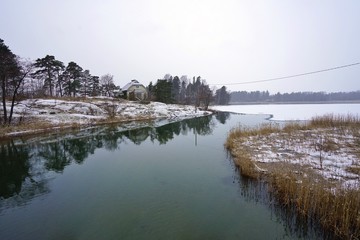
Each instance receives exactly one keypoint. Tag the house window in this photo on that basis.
(139, 95)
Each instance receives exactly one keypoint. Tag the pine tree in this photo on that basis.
(85, 82)
(222, 97)
(95, 86)
(175, 89)
(8, 69)
(151, 91)
(48, 70)
(72, 76)
(163, 91)
(12, 74)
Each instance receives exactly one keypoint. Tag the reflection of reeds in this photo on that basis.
(335, 207)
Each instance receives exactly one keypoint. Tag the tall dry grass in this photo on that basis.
(335, 208)
(334, 121)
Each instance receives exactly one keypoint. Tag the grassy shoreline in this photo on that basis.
(320, 183)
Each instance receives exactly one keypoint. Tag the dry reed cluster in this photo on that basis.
(299, 185)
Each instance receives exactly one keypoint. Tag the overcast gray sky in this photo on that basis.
(223, 41)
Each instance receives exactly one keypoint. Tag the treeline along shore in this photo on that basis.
(295, 102)
(257, 97)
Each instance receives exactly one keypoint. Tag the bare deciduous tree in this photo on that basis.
(107, 84)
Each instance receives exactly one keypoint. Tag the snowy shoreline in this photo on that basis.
(43, 115)
(298, 148)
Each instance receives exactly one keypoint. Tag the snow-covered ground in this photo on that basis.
(293, 111)
(90, 111)
(336, 162)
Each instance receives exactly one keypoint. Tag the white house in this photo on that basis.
(135, 91)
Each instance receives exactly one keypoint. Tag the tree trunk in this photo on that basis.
(3, 88)
(17, 86)
(50, 82)
(13, 102)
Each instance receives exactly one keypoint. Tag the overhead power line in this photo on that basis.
(291, 76)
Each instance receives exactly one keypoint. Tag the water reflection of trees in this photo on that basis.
(163, 134)
(21, 175)
(14, 168)
(25, 165)
(222, 117)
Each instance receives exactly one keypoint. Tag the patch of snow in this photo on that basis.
(299, 149)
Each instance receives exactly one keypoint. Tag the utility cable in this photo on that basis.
(291, 76)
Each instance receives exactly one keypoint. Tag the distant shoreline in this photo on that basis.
(296, 102)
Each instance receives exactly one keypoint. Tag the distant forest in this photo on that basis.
(265, 96)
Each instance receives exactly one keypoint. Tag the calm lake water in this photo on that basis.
(170, 182)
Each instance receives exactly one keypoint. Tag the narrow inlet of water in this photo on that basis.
(169, 182)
